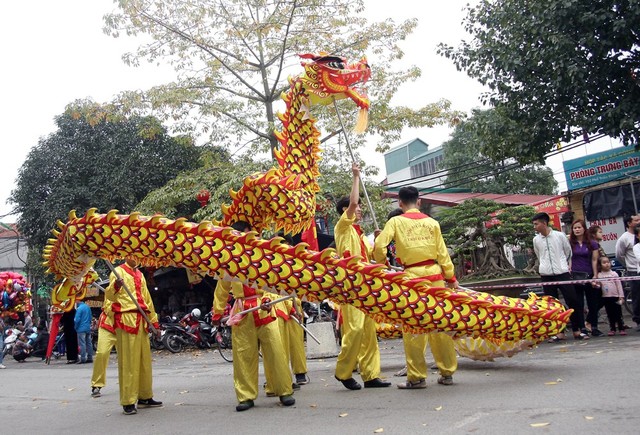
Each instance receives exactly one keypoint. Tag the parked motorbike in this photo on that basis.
(176, 336)
(157, 343)
(11, 335)
(314, 312)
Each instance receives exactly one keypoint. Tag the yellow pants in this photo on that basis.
(444, 354)
(134, 365)
(247, 339)
(441, 344)
(106, 341)
(359, 345)
(297, 352)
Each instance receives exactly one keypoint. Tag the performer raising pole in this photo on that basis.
(353, 160)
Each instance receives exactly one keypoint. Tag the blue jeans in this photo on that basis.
(86, 347)
(1, 348)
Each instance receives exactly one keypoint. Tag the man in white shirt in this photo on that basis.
(624, 254)
(554, 253)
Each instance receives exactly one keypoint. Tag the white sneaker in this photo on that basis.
(2, 366)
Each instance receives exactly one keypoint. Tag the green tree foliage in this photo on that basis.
(233, 57)
(559, 68)
(108, 165)
(476, 158)
(335, 182)
(218, 173)
(481, 229)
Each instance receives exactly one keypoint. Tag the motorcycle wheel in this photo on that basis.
(224, 344)
(172, 342)
(156, 343)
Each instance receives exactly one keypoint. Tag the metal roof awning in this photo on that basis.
(455, 198)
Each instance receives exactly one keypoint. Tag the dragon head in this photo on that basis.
(328, 78)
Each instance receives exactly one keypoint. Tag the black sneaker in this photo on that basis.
(376, 383)
(350, 384)
(596, 333)
(129, 409)
(302, 379)
(95, 392)
(295, 386)
(243, 406)
(287, 400)
(148, 403)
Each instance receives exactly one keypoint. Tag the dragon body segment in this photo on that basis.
(285, 196)
(390, 297)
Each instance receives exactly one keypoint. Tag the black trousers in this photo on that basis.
(569, 295)
(614, 313)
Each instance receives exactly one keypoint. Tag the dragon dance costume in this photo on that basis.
(132, 339)
(255, 331)
(359, 338)
(421, 249)
(106, 341)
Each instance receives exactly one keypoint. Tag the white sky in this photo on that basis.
(55, 53)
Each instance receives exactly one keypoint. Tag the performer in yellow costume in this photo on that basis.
(292, 336)
(106, 341)
(359, 340)
(297, 351)
(132, 339)
(256, 330)
(420, 248)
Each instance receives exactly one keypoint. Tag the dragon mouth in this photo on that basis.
(333, 79)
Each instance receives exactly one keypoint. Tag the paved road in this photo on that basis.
(588, 387)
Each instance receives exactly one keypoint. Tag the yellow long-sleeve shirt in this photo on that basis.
(418, 238)
(246, 297)
(348, 240)
(126, 314)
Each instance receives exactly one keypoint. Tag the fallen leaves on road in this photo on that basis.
(70, 389)
(178, 403)
(379, 430)
(438, 408)
(313, 405)
(539, 424)
(184, 391)
(588, 417)
(344, 414)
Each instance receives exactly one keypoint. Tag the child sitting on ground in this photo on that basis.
(612, 296)
(21, 349)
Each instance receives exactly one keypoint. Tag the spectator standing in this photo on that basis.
(595, 232)
(82, 324)
(624, 254)
(612, 296)
(2, 327)
(584, 265)
(28, 322)
(554, 253)
(70, 336)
